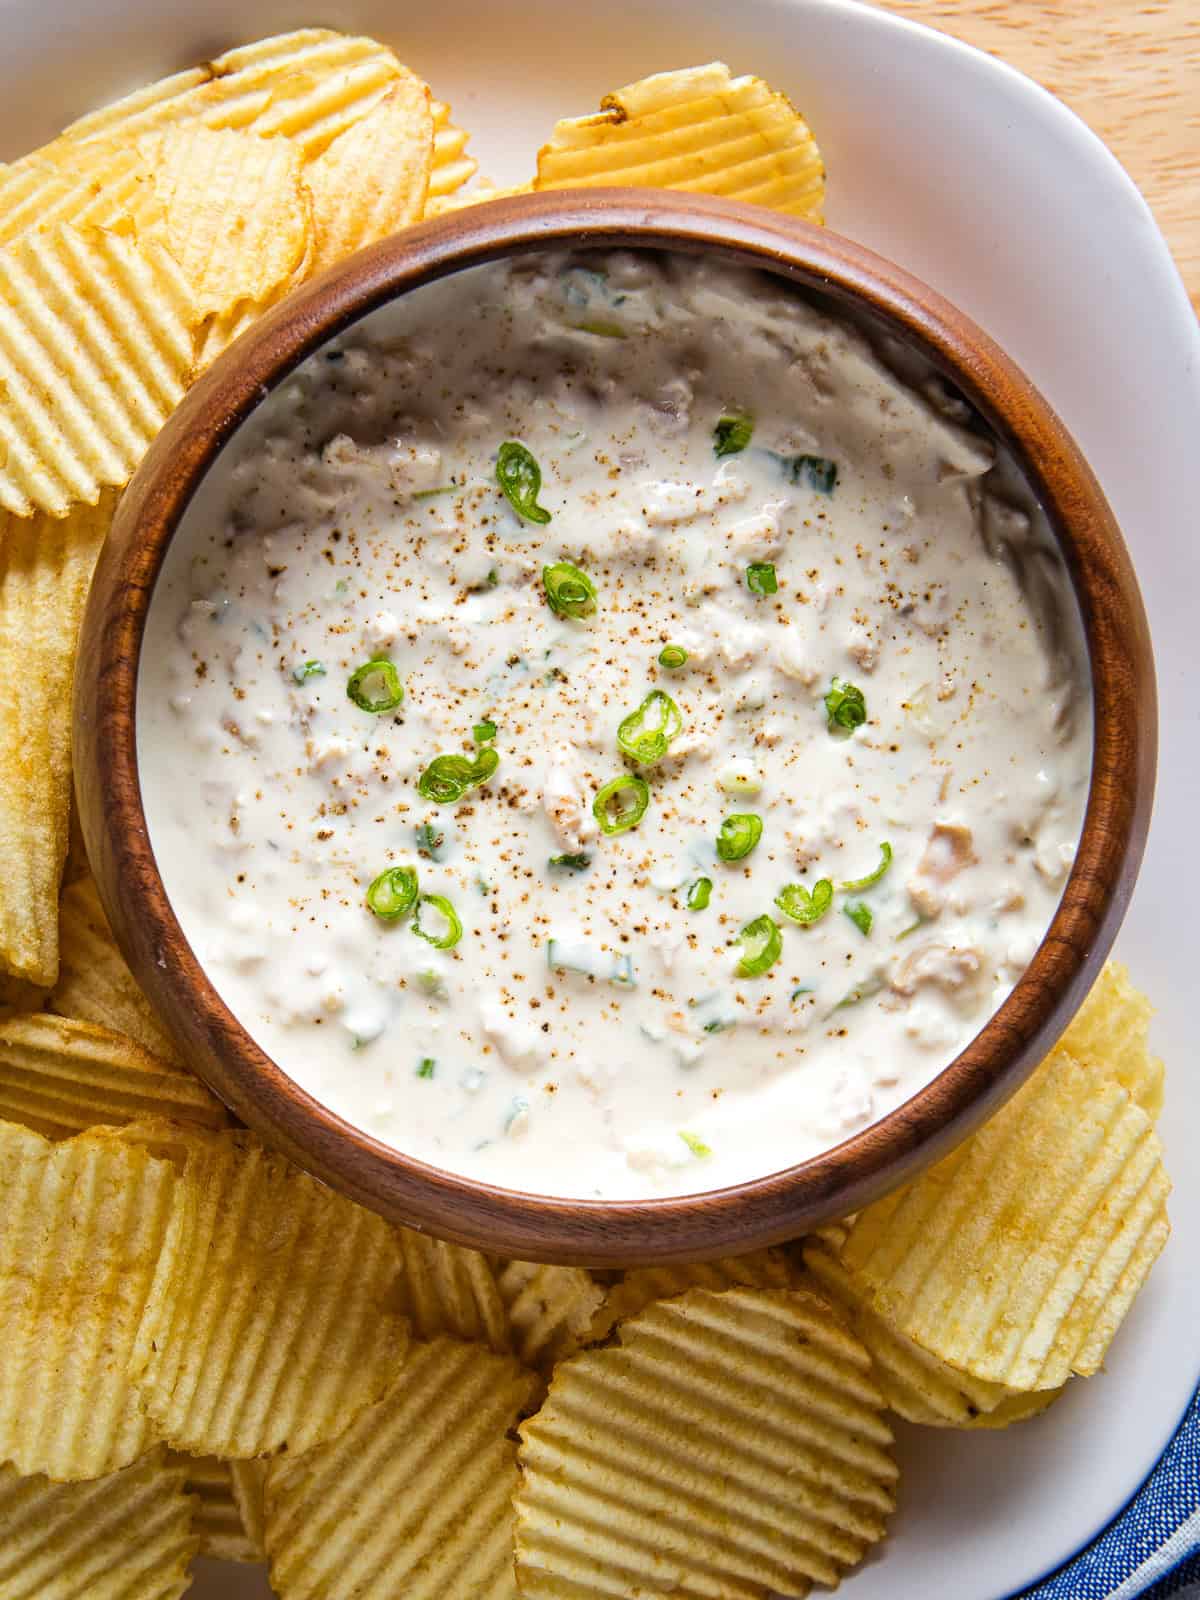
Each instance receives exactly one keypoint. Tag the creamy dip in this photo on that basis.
(881, 682)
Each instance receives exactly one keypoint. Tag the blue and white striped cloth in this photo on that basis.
(1151, 1551)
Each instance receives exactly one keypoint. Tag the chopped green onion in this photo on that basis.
(428, 494)
(696, 1145)
(572, 863)
(802, 988)
(860, 915)
(605, 330)
(308, 669)
(856, 885)
(797, 903)
(430, 840)
(761, 579)
(912, 928)
(440, 904)
(699, 893)
(519, 475)
(484, 732)
(738, 835)
(393, 893)
(427, 1067)
(732, 434)
(672, 656)
(432, 984)
(447, 778)
(571, 593)
(650, 744)
(818, 472)
(845, 706)
(621, 803)
(717, 1025)
(376, 686)
(762, 944)
(860, 992)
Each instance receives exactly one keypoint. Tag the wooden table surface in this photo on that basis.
(1129, 68)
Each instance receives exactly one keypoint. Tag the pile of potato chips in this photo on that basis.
(207, 1351)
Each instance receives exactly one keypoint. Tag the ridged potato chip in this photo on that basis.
(281, 1323)
(761, 1269)
(95, 346)
(127, 1536)
(415, 1499)
(452, 166)
(94, 984)
(697, 129)
(437, 206)
(217, 1520)
(550, 1310)
(248, 1480)
(1016, 1257)
(1110, 1033)
(60, 1077)
(45, 571)
(103, 189)
(447, 1289)
(236, 214)
(916, 1385)
(732, 1444)
(373, 178)
(83, 1238)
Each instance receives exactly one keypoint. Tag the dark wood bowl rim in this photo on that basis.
(776, 1206)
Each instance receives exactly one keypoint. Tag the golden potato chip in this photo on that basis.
(373, 177)
(248, 1480)
(94, 984)
(415, 1498)
(281, 1323)
(761, 1269)
(95, 345)
(236, 215)
(916, 1385)
(83, 1237)
(446, 1288)
(452, 166)
(698, 129)
(45, 570)
(1110, 1034)
(1016, 1257)
(127, 1536)
(439, 205)
(217, 1521)
(151, 106)
(59, 1077)
(550, 1310)
(733, 1443)
(107, 189)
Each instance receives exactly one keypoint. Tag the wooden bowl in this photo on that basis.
(675, 1228)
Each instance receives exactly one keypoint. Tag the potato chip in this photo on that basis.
(127, 1536)
(415, 1498)
(108, 189)
(45, 570)
(281, 1323)
(95, 345)
(698, 129)
(94, 984)
(1016, 1257)
(452, 166)
(17, 995)
(446, 1288)
(373, 177)
(438, 206)
(236, 215)
(1110, 1034)
(733, 1443)
(916, 1385)
(59, 1077)
(762, 1269)
(217, 1520)
(83, 1237)
(248, 1480)
(550, 1310)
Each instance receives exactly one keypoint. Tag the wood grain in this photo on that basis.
(1129, 68)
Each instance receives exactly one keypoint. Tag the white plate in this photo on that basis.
(979, 182)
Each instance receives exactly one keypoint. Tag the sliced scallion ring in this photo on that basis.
(621, 803)
(860, 915)
(304, 670)
(738, 835)
(699, 893)
(761, 579)
(762, 946)
(803, 905)
(569, 592)
(519, 475)
(484, 732)
(453, 930)
(393, 894)
(696, 1145)
(857, 885)
(375, 686)
(845, 707)
(645, 734)
(672, 656)
(447, 778)
(732, 434)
